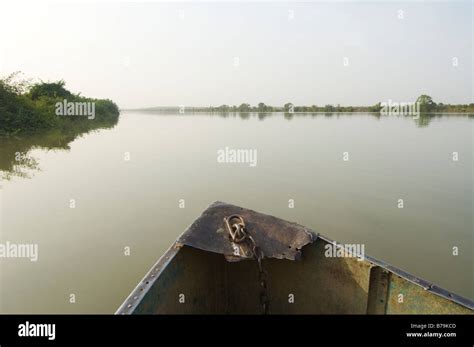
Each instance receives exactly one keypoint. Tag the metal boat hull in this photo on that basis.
(191, 279)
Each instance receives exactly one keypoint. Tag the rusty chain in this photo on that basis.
(235, 225)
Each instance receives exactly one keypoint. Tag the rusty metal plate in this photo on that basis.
(276, 237)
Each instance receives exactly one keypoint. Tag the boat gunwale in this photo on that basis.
(144, 285)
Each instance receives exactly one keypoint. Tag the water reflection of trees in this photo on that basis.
(15, 151)
(423, 120)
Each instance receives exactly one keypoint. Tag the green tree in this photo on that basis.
(375, 108)
(288, 106)
(51, 90)
(261, 107)
(426, 103)
(224, 108)
(244, 108)
(329, 108)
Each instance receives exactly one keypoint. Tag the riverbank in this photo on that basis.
(28, 108)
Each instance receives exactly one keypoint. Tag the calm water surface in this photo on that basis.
(134, 203)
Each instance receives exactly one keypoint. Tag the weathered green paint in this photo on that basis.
(193, 276)
(416, 300)
(378, 290)
(315, 285)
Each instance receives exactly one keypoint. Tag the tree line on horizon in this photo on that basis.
(426, 105)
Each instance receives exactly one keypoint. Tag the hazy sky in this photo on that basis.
(148, 54)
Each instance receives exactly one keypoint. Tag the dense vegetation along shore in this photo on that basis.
(27, 108)
(37, 116)
(426, 104)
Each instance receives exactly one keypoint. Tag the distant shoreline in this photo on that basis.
(176, 110)
(424, 104)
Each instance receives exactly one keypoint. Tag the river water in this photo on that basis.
(127, 185)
